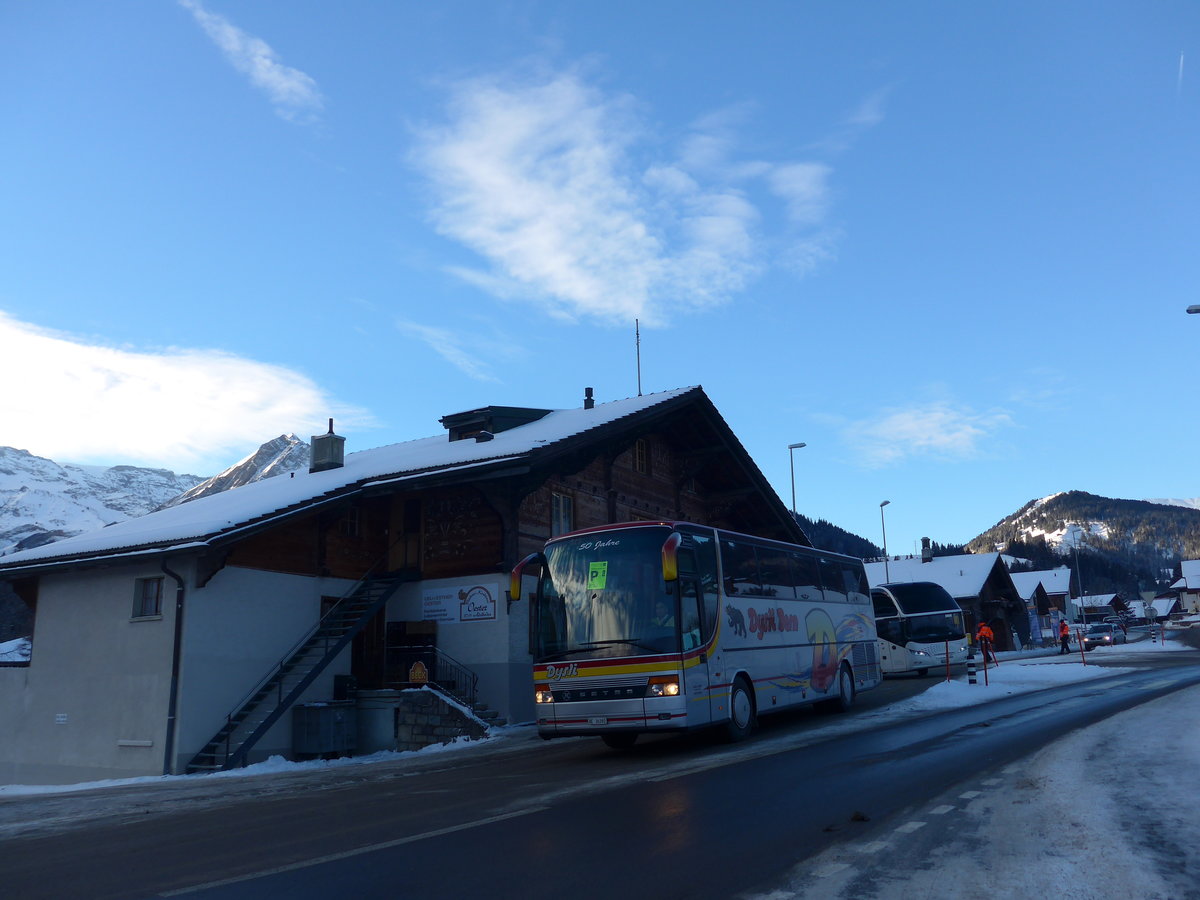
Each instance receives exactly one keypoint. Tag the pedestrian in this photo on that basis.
(1064, 637)
(985, 636)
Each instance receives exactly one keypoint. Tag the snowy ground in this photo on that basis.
(1138, 827)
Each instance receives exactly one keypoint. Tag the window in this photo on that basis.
(147, 598)
(562, 514)
(348, 526)
(641, 456)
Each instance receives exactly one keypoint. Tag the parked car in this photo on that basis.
(1103, 634)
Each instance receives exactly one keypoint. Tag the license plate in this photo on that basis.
(597, 720)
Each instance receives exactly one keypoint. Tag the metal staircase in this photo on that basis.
(287, 681)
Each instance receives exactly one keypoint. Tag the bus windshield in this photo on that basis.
(603, 595)
(934, 627)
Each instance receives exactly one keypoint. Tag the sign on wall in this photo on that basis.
(459, 604)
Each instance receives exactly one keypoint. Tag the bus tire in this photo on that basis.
(741, 711)
(845, 692)
(622, 740)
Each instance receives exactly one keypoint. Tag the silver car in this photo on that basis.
(1103, 634)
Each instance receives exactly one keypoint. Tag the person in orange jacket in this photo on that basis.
(984, 635)
(1064, 637)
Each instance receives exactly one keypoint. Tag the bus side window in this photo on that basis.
(892, 630)
(740, 567)
(805, 577)
(704, 549)
(690, 615)
(884, 607)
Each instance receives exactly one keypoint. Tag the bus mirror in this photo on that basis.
(514, 588)
(670, 557)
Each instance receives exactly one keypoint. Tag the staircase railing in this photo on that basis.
(327, 638)
(441, 671)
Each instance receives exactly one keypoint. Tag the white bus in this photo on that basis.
(920, 625)
(669, 626)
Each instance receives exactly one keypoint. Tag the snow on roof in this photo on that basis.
(191, 524)
(962, 576)
(1053, 581)
(1191, 576)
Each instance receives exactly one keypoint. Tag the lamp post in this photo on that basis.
(887, 576)
(792, 464)
(1194, 308)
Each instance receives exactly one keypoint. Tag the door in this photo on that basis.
(694, 631)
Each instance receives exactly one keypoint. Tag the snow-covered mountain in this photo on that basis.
(286, 453)
(43, 501)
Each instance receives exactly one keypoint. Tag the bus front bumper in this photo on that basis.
(600, 717)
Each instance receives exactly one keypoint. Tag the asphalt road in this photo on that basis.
(673, 818)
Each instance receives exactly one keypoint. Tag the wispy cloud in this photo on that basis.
(183, 409)
(462, 353)
(293, 93)
(940, 430)
(549, 181)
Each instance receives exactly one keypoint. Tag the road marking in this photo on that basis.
(910, 827)
(874, 847)
(1155, 685)
(347, 854)
(1012, 770)
(831, 869)
(969, 795)
(941, 810)
(992, 782)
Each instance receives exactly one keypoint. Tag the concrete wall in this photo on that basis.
(237, 628)
(93, 702)
(490, 641)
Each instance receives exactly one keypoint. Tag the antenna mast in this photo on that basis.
(637, 333)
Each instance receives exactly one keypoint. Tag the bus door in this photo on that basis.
(893, 652)
(696, 664)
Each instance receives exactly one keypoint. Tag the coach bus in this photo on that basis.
(669, 626)
(920, 626)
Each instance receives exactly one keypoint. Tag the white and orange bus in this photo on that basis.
(669, 626)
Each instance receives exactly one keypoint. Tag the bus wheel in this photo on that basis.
(621, 741)
(741, 711)
(845, 693)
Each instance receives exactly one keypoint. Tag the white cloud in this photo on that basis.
(546, 180)
(452, 347)
(183, 409)
(940, 430)
(293, 93)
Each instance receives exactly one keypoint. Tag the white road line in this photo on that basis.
(910, 827)
(874, 847)
(941, 810)
(1012, 770)
(1155, 685)
(358, 851)
(992, 782)
(969, 795)
(831, 869)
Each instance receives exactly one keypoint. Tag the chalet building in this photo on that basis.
(1046, 594)
(979, 582)
(1187, 586)
(181, 640)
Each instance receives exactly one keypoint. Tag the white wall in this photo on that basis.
(236, 629)
(496, 649)
(93, 702)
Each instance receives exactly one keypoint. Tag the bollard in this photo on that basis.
(971, 671)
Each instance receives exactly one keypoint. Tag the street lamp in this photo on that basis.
(887, 576)
(1194, 308)
(792, 463)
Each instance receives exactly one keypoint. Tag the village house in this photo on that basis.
(1046, 593)
(1187, 587)
(181, 640)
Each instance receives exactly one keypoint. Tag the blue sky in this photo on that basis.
(947, 245)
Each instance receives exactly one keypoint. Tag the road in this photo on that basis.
(673, 818)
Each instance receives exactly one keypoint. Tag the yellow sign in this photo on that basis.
(418, 674)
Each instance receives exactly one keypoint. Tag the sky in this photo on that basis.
(948, 247)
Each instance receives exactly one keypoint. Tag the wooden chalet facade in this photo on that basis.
(415, 540)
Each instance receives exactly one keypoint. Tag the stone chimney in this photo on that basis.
(926, 551)
(326, 451)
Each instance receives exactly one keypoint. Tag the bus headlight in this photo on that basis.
(663, 686)
(920, 653)
(543, 695)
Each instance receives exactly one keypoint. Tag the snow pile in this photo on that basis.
(17, 650)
